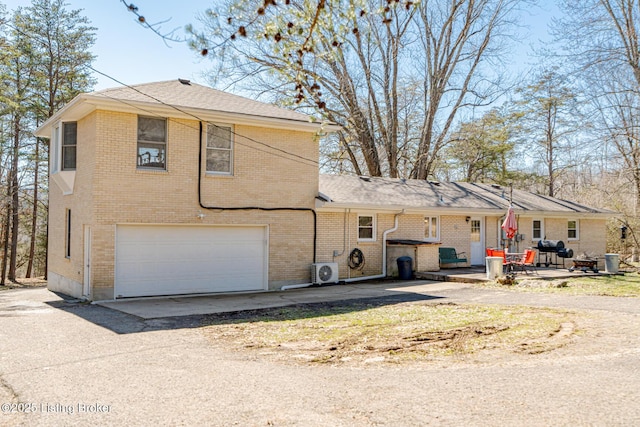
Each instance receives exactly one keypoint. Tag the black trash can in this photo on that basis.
(405, 272)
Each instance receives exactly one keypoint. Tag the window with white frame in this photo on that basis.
(152, 142)
(366, 228)
(219, 149)
(432, 228)
(69, 144)
(537, 231)
(573, 231)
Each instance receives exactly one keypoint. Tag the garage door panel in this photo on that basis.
(170, 260)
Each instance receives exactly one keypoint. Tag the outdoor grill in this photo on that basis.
(551, 249)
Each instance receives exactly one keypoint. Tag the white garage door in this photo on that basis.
(174, 259)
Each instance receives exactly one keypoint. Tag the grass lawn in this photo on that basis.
(623, 285)
(399, 333)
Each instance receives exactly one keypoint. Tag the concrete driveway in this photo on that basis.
(151, 308)
(64, 363)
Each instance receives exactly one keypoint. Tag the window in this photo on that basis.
(431, 228)
(573, 233)
(152, 142)
(67, 243)
(55, 142)
(366, 228)
(476, 231)
(537, 231)
(219, 149)
(69, 140)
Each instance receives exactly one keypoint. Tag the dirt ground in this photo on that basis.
(576, 333)
(34, 282)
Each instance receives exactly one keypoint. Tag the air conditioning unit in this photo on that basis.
(324, 272)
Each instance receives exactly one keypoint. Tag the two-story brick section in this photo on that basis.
(175, 188)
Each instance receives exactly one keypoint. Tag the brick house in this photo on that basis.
(175, 188)
(386, 218)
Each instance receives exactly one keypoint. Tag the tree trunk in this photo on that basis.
(34, 212)
(15, 202)
(5, 238)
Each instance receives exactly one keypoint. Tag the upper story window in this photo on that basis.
(537, 231)
(219, 149)
(431, 228)
(69, 144)
(64, 141)
(366, 228)
(152, 142)
(573, 232)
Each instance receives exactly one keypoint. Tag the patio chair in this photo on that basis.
(507, 266)
(527, 261)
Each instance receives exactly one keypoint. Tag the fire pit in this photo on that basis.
(585, 264)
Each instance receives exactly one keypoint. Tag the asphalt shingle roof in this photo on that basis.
(192, 95)
(387, 192)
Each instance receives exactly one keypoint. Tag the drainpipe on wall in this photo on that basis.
(296, 286)
(384, 253)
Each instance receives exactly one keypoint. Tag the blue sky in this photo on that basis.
(133, 54)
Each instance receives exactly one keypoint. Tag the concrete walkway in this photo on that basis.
(391, 291)
(151, 308)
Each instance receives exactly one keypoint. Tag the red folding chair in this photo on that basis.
(527, 261)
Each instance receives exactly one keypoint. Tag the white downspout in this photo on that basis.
(384, 253)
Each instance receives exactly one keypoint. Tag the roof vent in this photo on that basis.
(185, 82)
(496, 186)
(434, 183)
(365, 178)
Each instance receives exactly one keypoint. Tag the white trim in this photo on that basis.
(373, 226)
(232, 150)
(480, 245)
(533, 237)
(165, 143)
(577, 221)
(428, 238)
(86, 103)
(63, 145)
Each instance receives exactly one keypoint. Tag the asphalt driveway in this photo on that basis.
(67, 363)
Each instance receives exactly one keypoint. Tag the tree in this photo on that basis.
(64, 39)
(600, 39)
(18, 72)
(43, 66)
(395, 76)
(547, 109)
(481, 150)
